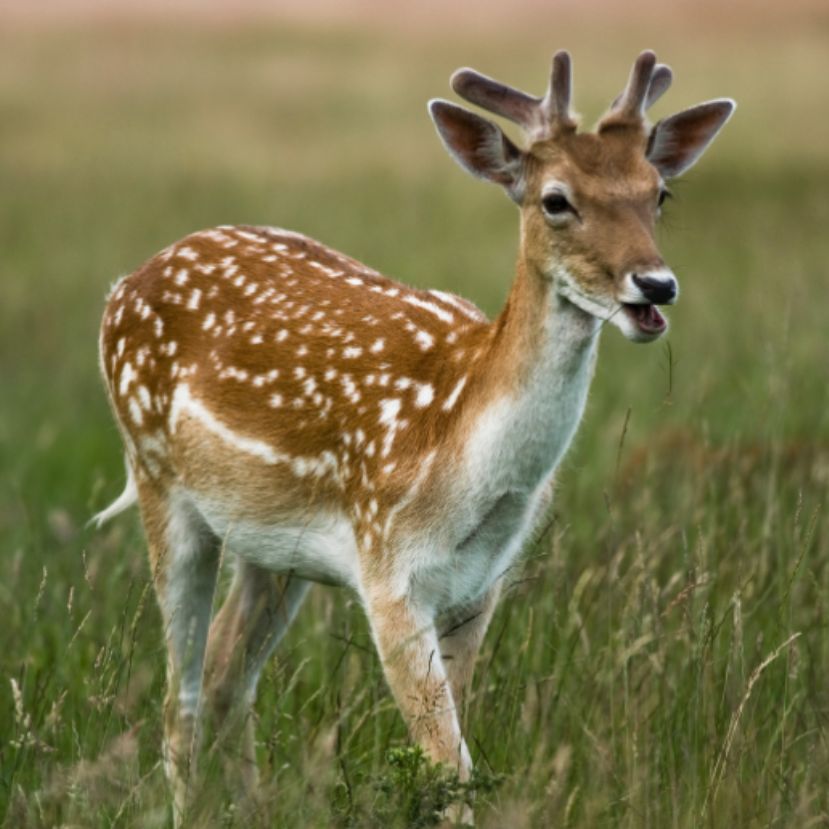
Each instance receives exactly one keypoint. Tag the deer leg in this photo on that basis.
(462, 632)
(253, 619)
(409, 650)
(184, 556)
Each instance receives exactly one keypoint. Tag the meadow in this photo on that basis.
(660, 657)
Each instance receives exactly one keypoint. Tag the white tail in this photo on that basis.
(323, 423)
(123, 502)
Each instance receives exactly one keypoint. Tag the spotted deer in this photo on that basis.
(288, 408)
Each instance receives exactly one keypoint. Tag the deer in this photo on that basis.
(293, 411)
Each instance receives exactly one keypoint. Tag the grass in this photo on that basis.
(660, 658)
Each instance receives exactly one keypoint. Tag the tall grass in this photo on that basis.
(659, 658)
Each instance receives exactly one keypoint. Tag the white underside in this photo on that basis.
(429, 567)
(319, 546)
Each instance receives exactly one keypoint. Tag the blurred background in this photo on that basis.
(648, 676)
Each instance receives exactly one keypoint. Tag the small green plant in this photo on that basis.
(416, 792)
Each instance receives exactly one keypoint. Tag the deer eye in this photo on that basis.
(663, 194)
(555, 204)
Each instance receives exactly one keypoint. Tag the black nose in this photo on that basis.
(657, 291)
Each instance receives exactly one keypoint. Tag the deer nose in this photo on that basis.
(659, 290)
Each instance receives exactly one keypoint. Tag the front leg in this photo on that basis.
(409, 651)
(461, 634)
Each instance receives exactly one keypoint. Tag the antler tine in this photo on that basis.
(660, 82)
(632, 101)
(556, 103)
(496, 97)
(538, 116)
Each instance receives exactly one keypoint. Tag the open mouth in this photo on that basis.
(646, 318)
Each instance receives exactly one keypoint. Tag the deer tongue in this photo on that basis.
(648, 317)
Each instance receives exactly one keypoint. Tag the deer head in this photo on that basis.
(589, 201)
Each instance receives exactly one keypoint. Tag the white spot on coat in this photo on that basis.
(462, 305)
(450, 401)
(425, 395)
(187, 253)
(389, 409)
(439, 312)
(127, 376)
(424, 339)
(135, 412)
(144, 398)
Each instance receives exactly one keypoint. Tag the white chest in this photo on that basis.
(511, 455)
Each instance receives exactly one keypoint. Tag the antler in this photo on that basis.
(647, 83)
(540, 117)
(660, 82)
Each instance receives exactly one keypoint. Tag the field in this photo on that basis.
(661, 656)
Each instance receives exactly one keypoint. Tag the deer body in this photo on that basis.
(321, 423)
(368, 462)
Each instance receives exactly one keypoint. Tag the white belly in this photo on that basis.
(319, 547)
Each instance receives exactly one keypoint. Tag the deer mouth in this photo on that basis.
(646, 317)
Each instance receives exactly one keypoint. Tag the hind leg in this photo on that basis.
(461, 635)
(184, 556)
(255, 616)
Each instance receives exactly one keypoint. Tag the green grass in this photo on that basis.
(625, 680)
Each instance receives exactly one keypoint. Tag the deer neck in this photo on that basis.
(539, 367)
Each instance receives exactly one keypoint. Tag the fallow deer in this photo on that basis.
(319, 422)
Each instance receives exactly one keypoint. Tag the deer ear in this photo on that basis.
(677, 142)
(479, 146)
